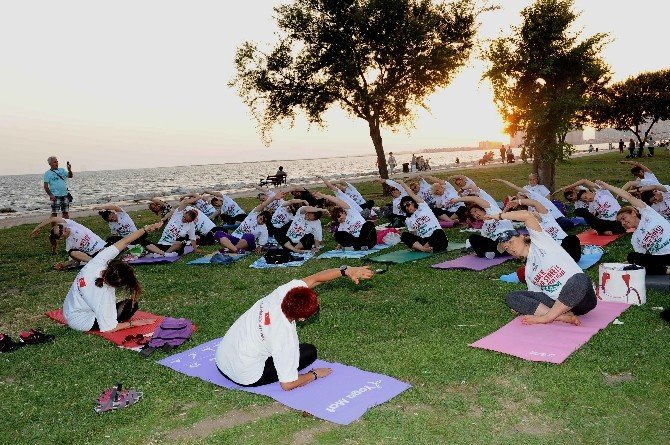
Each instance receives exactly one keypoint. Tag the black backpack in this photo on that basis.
(277, 256)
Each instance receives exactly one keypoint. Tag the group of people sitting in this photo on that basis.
(262, 346)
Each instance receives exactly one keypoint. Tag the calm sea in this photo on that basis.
(25, 193)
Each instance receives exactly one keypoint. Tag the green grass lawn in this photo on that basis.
(413, 323)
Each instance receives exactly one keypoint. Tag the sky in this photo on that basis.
(131, 84)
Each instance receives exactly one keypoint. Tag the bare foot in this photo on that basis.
(59, 266)
(532, 319)
(569, 318)
(428, 248)
(607, 232)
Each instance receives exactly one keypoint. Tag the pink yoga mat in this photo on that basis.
(591, 238)
(472, 262)
(553, 342)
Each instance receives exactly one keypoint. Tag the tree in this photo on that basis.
(543, 80)
(376, 59)
(635, 104)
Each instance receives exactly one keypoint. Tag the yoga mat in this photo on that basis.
(591, 238)
(342, 397)
(446, 224)
(658, 282)
(262, 264)
(160, 260)
(455, 246)
(553, 342)
(117, 337)
(401, 256)
(205, 259)
(339, 253)
(472, 262)
(585, 262)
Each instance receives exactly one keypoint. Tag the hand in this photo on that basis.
(69, 166)
(322, 372)
(316, 195)
(143, 321)
(59, 266)
(359, 273)
(52, 198)
(151, 227)
(495, 217)
(34, 233)
(600, 183)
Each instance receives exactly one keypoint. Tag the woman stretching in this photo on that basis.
(305, 231)
(91, 304)
(122, 225)
(601, 208)
(425, 233)
(352, 229)
(558, 289)
(81, 243)
(252, 232)
(651, 239)
(484, 243)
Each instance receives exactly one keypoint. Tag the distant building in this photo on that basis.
(490, 145)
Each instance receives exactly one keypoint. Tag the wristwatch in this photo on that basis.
(343, 270)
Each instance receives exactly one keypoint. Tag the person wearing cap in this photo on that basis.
(558, 289)
(262, 346)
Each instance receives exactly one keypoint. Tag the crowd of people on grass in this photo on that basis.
(262, 346)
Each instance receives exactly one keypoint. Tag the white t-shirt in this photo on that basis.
(426, 192)
(550, 206)
(202, 222)
(396, 201)
(354, 194)
(652, 234)
(604, 205)
(230, 207)
(274, 204)
(423, 221)
(82, 238)
(301, 227)
(85, 302)
(205, 207)
(250, 225)
(176, 228)
(492, 228)
(124, 226)
(350, 202)
(548, 266)
(353, 223)
(467, 191)
(649, 179)
(281, 216)
(539, 189)
(442, 201)
(663, 207)
(550, 226)
(261, 332)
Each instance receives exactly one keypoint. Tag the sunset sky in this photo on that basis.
(130, 84)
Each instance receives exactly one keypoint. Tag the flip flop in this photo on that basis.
(35, 337)
(7, 344)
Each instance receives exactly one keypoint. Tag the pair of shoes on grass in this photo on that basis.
(116, 398)
(31, 337)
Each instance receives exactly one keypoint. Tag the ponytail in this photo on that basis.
(120, 274)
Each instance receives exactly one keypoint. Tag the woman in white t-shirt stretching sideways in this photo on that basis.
(262, 346)
(91, 303)
(651, 239)
(558, 289)
(425, 233)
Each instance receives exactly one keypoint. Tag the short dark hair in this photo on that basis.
(336, 212)
(192, 213)
(300, 302)
(472, 206)
(636, 170)
(105, 214)
(647, 196)
(405, 199)
(580, 193)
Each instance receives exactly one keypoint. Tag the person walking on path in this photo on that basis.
(55, 186)
(391, 162)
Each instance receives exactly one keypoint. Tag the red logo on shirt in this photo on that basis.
(267, 319)
(82, 282)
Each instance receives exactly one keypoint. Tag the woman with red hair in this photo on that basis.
(262, 346)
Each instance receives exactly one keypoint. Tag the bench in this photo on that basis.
(274, 180)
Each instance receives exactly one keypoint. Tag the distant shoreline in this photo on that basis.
(7, 220)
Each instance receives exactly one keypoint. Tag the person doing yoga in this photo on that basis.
(558, 289)
(262, 346)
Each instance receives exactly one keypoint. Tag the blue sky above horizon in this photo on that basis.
(143, 84)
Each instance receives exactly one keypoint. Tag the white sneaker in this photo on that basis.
(171, 254)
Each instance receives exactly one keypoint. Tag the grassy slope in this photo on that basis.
(413, 323)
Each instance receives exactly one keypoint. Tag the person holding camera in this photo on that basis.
(55, 185)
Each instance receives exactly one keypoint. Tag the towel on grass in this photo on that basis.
(472, 262)
(339, 253)
(591, 237)
(401, 256)
(342, 397)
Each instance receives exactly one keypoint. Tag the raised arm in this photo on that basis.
(637, 164)
(623, 194)
(219, 194)
(533, 203)
(260, 207)
(187, 202)
(526, 217)
(355, 274)
(432, 178)
(53, 219)
(109, 207)
(582, 182)
(335, 200)
(329, 184)
(409, 192)
(124, 242)
(481, 202)
(311, 209)
(511, 185)
(659, 187)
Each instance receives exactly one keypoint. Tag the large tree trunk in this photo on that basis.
(546, 172)
(376, 136)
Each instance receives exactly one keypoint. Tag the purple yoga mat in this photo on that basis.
(472, 262)
(160, 260)
(553, 342)
(342, 397)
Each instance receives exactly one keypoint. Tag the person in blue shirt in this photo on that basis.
(55, 185)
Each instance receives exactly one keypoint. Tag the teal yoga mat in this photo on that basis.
(401, 256)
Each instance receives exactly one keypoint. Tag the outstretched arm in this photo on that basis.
(53, 219)
(260, 207)
(124, 242)
(329, 184)
(109, 207)
(215, 193)
(335, 200)
(637, 164)
(187, 202)
(511, 185)
(583, 182)
(433, 178)
(623, 194)
(659, 187)
(473, 199)
(409, 192)
(533, 203)
(526, 217)
(355, 274)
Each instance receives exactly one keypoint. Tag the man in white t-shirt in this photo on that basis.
(642, 173)
(535, 187)
(352, 229)
(179, 229)
(262, 346)
(229, 211)
(122, 225)
(425, 233)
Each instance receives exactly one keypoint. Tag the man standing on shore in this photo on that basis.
(55, 185)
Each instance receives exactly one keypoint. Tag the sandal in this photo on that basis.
(35, 337)
(7, 344)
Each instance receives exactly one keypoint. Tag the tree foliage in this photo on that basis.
(544, 78)
(635, 104)
(376, 59)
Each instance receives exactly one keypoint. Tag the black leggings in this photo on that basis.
(142, 240)
(600, 225)
(482, 245)
(654, 264)
(437, 240)
(227, 219)
(125, 309)
(368, 237)
(307, 357)
(577, 293)
(369, 204)
(306, 241)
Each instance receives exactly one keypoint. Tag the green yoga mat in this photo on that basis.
(401, 256)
